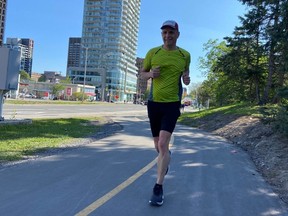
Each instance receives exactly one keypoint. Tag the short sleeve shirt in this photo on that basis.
(167, 87)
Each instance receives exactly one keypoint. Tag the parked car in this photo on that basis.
(30, 96)
(6, 95)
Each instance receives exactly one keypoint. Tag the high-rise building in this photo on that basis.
(141, 83)
(28, 56)
(74, 48)
(108, 48)
(3, 4)
(26, 47)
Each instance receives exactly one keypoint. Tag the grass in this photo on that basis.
(20, 141)
(236, 109)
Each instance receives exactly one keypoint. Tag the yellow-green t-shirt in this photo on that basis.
(167, 87)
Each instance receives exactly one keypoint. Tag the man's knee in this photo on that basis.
(163, 146)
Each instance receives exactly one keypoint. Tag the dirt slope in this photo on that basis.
(268, 150)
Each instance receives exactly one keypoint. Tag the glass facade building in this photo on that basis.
(26, 47)
(3, 5)
(74, 49)
(109, 45)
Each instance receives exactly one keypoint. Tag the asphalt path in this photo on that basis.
(114, 176)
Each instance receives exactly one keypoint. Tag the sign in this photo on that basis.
(69, 91)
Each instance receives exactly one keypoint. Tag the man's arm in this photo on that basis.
(144, 74)
(186, 77)
(153, 73)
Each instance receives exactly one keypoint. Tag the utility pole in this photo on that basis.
(85, 70)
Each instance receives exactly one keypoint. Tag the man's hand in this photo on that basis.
(186, 78)
(155, 72)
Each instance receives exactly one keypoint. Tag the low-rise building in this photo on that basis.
(43, 90)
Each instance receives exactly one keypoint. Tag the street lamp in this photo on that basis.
(125, 76)
(85, 70)
(104, 73)
(103, 84)
(73, 79)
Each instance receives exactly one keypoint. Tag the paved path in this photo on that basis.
(115, 176)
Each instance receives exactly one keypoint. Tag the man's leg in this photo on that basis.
(162, 147)
(166, 125)
(156, 140)
(163, 156)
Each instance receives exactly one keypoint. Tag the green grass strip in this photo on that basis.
(18, 141)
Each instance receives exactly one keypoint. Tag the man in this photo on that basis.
(165, 65)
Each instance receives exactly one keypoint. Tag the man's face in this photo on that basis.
(169, 36)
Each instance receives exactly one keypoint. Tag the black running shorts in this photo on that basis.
(163, 116)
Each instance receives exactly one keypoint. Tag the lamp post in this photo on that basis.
(85, 70)
(125, 77)
(73, 79)
(105, 56)
(103, 84)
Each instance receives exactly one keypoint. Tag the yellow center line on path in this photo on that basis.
(93, 206)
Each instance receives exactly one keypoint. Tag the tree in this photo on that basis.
(215, 87)
(271, 19)
(252, 65)
(56, 89)
(79, 96)
(42, 78)
(24, 76)
(66, 81)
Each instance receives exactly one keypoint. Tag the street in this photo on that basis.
(21, 111)
(114, 176)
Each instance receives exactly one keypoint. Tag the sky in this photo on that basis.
(50, 23)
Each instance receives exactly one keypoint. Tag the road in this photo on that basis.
(20, 111)
(115, 175)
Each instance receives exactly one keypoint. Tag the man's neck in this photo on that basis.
(174, 47)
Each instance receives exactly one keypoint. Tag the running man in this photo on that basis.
(165, 65)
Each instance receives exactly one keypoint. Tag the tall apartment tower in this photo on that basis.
(109, 44)
(3, 4)
(28, 55)
(26, 47)
(142, 84)
(74, 48)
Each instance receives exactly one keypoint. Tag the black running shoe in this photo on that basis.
(157, 196)
(168, 164)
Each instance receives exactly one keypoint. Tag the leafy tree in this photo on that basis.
(271, 19)
(57, 88)
(66, 81)
(42, 78)
(24, 76)
(78, 96)
(214, 87)
(281, 57)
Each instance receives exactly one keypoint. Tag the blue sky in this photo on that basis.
(50, 23)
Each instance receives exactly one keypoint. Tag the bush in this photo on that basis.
(77, 96)
(269, 113)
(281, 120)
(277, 116)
